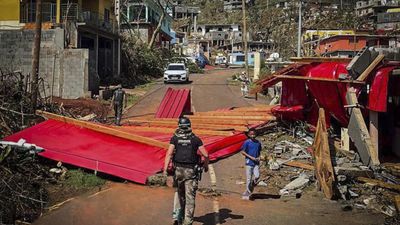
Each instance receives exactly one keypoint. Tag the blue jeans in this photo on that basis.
(252, 175)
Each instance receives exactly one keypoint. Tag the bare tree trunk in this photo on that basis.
(158, 28)
(36, 54)
(156, 31)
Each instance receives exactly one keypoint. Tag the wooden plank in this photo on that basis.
(320, 59)
(233, 113)
(172, 130)
(105, 130)
(370, 68)
(323, 162)
(195, 124)
(379, 183)
(227, 117)
(397, 202)
(202, 126)
(300, 165)
(254, 108)
(319, 79)
(359, 134)
(205, 121)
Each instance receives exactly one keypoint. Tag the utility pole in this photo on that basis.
(36, 54)
(117, 15)
(299, 32)
(244, 38)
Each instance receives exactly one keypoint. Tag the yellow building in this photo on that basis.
(321, 34)
(88, 24)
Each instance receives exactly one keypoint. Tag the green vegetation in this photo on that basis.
(79, 179)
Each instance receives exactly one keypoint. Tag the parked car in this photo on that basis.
(176, 72)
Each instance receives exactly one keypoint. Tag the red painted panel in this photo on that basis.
(377, 99)
(330, 96)
(112, 155)
(174, 104)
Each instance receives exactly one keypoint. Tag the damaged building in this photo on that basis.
(79, 49)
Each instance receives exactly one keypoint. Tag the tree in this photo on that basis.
(163, 6)
(36, 54)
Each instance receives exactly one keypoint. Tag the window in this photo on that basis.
(240, 58)
(176, 67)
(106, 15)
(136, 13)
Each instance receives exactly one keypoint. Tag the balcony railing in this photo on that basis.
(69, 12)
(74, 12)
(28, 12)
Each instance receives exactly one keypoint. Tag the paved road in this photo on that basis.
(136, 204)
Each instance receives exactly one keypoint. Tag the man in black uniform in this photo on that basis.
(118, 101)
(184, 147)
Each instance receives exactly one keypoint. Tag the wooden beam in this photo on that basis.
(172, 130)
(379, 183)
(227, 117)
(199, 125)
(228, 122)
(105, 130)
(254, 108)
(371, 67)
(300, 165)
(320, 59)
(319, 79)
(233, 113)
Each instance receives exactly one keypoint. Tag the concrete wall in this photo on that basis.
(64, 71)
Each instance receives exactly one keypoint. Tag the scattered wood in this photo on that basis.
(323, 162)
(174, 121)
(106, 130)
(228, 117)
(300, 165)
(234, 113)
(172, 130)
(379, 183)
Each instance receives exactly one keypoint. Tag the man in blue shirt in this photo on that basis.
(251, 149)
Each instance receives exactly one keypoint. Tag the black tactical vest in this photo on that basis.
(185, 152)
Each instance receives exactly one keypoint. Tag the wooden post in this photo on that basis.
(36, 54)
(244, 37)
(374, 129)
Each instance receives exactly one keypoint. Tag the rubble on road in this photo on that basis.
(288, 169)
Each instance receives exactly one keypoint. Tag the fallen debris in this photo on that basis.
(323, 163)
(296, 184)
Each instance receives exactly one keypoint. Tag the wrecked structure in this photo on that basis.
(354, 93)
(357, 99)
(79, 48)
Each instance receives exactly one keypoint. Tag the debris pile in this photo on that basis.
(291, 167)
(288, 162)
(22, 184)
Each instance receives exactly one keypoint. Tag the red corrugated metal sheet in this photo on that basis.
(377, 99)
(174, 104)
(112, 155)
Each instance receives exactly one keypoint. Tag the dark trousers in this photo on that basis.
(118, 114)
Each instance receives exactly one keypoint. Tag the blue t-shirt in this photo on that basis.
(252, 148)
